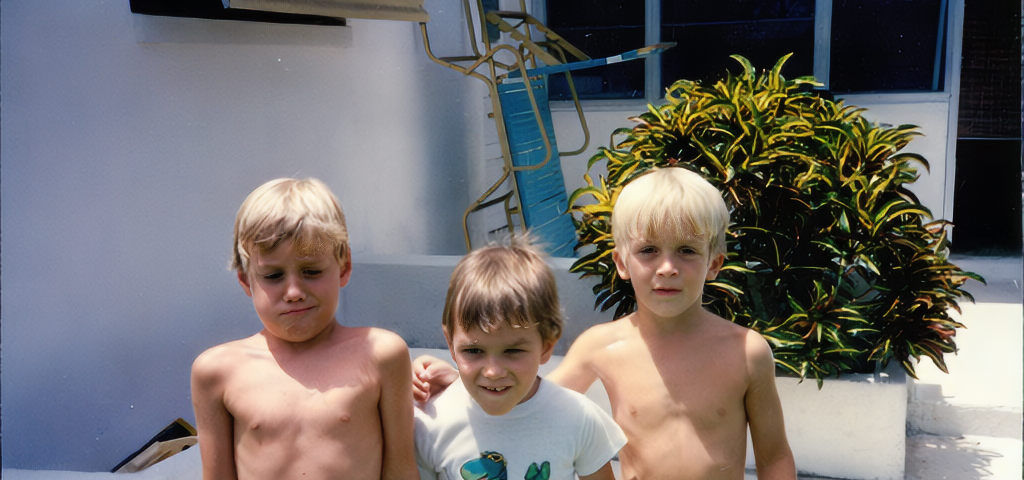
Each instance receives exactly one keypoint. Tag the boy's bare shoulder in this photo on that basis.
(750, 342)
(757, 349)
(727, 327)
(227, 357)
(604, 334)
(381, 343)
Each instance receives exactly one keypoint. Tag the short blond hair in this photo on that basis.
(670, 201)
(504, 285)
(303, 211)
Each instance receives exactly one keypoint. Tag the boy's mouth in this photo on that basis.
(298, 311)
(496, 389)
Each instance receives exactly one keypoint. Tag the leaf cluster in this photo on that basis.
(830, 256)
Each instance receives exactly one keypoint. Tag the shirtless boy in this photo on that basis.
(684, 384)
(305, 397)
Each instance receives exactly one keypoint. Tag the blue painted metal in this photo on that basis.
(542, 196)
(624, 57)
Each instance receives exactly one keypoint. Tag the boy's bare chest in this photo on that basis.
(659, 389)
(268, 401)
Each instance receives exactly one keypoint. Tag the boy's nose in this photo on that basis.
(293, 290)
(667, 268)
(493, 369)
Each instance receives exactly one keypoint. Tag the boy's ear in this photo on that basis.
(620, 264)
(346, 269)
(448, 340)
(715, 266)
(243, 280)
(549, 349)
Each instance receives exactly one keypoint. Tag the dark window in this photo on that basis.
(708, 32)
(878, 46)
(600, 29)
(987, 208)
(886, 46)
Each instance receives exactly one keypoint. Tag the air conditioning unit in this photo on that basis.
(406, 10)
(315, 12)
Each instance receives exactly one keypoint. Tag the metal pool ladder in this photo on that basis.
(515, 67)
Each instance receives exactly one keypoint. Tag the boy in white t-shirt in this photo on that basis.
(501, 420)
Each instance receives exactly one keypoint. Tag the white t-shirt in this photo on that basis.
(552, 436)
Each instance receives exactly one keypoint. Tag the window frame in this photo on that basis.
(822, 58)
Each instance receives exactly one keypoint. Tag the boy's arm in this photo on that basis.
(772, 455)
(214, 424)
(605, 473)
(395, 406)
(575, 371)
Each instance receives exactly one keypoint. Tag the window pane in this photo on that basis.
(719, 11)
(707, 32)
(887, 45)
(600, 28)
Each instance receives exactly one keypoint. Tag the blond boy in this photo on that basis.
(684, 384)
(500, 420)
(305, 397)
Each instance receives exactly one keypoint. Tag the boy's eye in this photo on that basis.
(312, 273)
(272, 276)
(472, 351)
(646, 250)
(514, 351)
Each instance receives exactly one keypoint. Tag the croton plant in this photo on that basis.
(830, 256)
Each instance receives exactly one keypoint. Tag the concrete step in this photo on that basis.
(949, 419)
(982, 394)
(968, 457)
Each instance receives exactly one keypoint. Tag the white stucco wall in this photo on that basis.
(128, 143)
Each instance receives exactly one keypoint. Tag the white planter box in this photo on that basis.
(853, 428)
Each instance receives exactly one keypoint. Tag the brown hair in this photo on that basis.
(501, 285)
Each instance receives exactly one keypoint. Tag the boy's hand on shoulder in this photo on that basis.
(431, 376)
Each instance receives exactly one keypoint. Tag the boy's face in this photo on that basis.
(295, 294)
(499, 368)
(668, 274)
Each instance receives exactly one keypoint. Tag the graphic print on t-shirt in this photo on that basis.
(492, 466)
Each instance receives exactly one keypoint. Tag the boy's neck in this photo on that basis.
(686, 322)
(325, 337)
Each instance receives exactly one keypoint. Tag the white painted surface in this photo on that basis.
(854, 427)
(128, 143)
